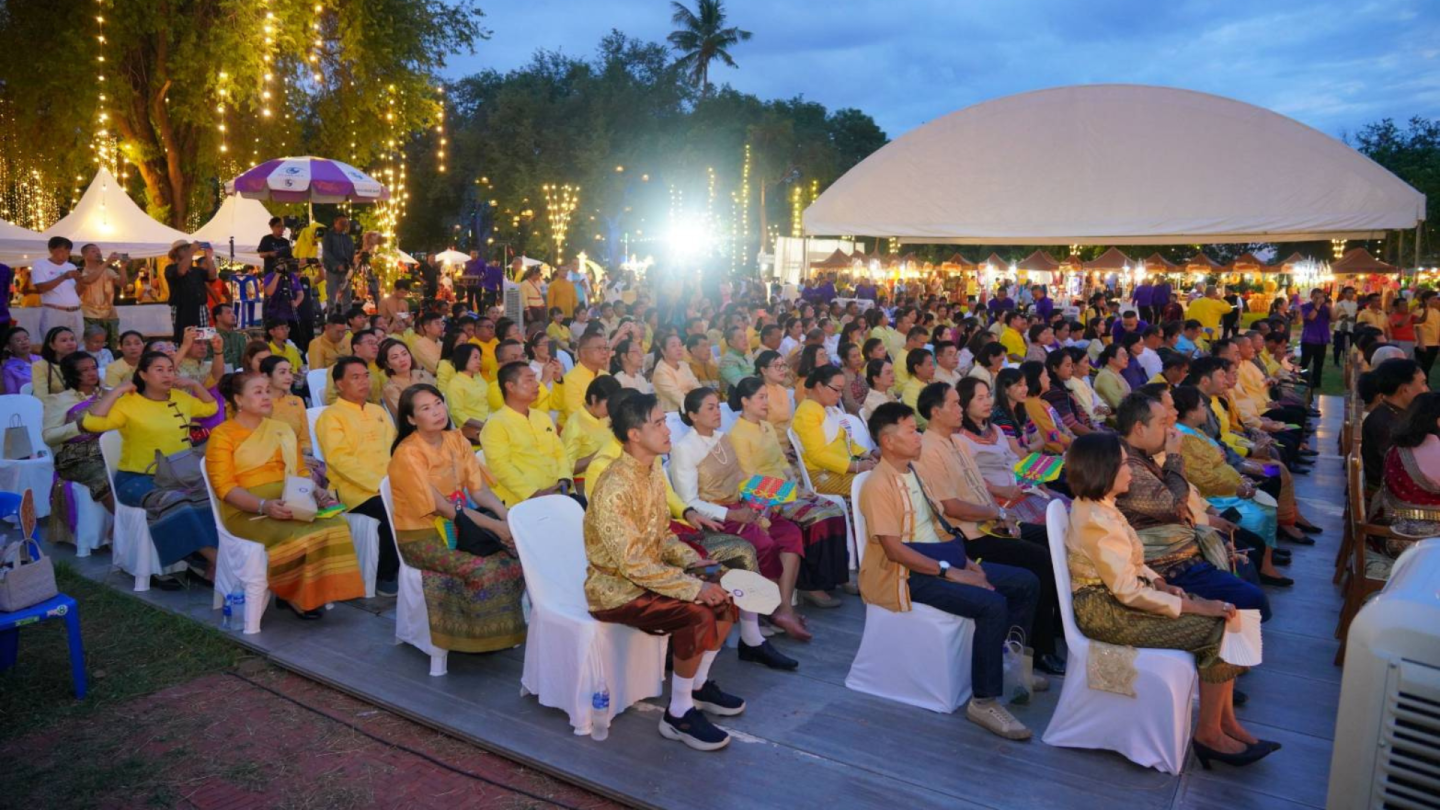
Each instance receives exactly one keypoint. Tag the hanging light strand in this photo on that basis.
(103, 144)
(317, 45)
(440, 131)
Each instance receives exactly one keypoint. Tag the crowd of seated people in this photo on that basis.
(1179, 457)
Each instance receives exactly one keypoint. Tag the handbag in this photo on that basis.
(17, 440)
(178, 471)
(1019, 668)
(26, 574)
(299, 498)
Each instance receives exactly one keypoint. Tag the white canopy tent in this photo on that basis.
(108, 217)
(244, 219)
(452, 256)
(1115, 164)
(19, 246)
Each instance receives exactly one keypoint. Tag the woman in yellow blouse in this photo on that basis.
(401, 372)
(153, 416)
(825, 565)
(468, 395)
(672, 377)
(557, 330)
(1119, 600)
(45, 375)
(426, 341)
(248, 458)
(832, 457)
(773, 371)
(122, 368)
(451, 526)
(287, 407)
(588, 429)
(277, 333)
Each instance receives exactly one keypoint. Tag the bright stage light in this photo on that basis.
(689, 237)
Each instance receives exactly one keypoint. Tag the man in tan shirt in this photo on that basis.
(912, 553)
(97, 292)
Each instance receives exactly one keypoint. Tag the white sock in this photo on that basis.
(702, 675)
(750, 629)
(680, 699)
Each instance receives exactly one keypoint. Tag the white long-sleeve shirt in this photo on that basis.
(685, 458)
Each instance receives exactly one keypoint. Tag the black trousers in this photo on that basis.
(388, 567)
(1426, 358)
(1032, 553)
(1312, 356)
(1341, 340)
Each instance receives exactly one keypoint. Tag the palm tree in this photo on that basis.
(701, 37)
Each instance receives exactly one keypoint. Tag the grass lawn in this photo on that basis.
(131, 649)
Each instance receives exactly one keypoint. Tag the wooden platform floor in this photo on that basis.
(807, 741)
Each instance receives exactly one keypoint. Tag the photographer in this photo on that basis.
(338, 253)
(283, 294)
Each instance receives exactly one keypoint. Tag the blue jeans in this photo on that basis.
(1204, 579)
(1011, 604)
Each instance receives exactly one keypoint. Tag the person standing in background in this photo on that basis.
(338, 255)
(189, 284)
(1344, 311)
(1314, 335)
(97, 285)
(7, 278)
(472, 276)
(55, 278)
(1427, 332)
(430, 277)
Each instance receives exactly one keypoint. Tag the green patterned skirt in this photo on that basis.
(473, 602)
(1100, 616)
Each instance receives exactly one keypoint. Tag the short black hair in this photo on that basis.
(743, 390)
(336, 318)
(1135, 409)
(1187, 398)
(693, 402)
(1037, 330)
(1155, 391)
(1391, 374)
(915, 359)
(219, 308)
(337, 371)
(887, 416)
(600, 389)
(873, 370)
(629, 412)
(276, 221)
(1108, 353)
(822, 375)
(1204, 367)
(1174, 360)
(1091, 464)
(508, 373)
(931, 397)
(59, 241)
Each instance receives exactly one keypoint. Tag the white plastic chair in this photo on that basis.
(311, 415)
(860, 432)
(133, 550)
(93, 522)
(566, 361)
(318, 381)
(1151, 729)
(38, 473)
(677, 426)
(365, 534)
(27, 390)
(921, 657)
(240, 565)
(412, 617)
(852, 532)
(568, 653)
(728, 417)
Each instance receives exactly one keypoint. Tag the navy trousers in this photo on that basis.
(1204, 579)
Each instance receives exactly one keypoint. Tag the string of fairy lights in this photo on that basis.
(560, 203)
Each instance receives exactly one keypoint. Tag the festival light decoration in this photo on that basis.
(560, 204)
(440, 129)
(796, 230)
(316, 46)
(1337, 246)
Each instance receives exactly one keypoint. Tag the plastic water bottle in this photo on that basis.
(227, 611)
(236, 604)
(600, 714)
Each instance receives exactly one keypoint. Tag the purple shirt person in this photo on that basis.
(1160, 296)
(493, 279)
(865, 291)
(1315, 330)
(999, 305)
(1044, 305)
(281, 305)
(1143, 295)
(474, 271)
(1129, 322)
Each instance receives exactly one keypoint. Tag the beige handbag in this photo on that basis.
(26, 574)
(299, 498)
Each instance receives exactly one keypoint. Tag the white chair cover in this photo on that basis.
(860, 431)
(312, 414)
(727, 417)
(133, 550)
(365, 533)
(412, 618)
(566, 361)
(93, 521)
(318, 381)
(566, 649)
(921, 657)
(1151, 729)
(240, 565)
(677, 426)
(851, 533)
(35, 474)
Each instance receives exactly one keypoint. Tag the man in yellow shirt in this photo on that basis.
(486, 340)
(511, 351)
(325, 348)
(592, 357)
(366, 346)
(702, 360)
(561, 293)
(1012, 338)
(1374, 315)
(355, 437)
(1209, 310)
(356, 320)
(522, 446)
(920, 368)
(588, 429)
(915, 339)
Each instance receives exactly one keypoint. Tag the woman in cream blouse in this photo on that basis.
(1119, 600)
(672, 377)
(773, 371)
(628, 366)
(826, 564)
(880, 377)
(401, 372)
(706, 473)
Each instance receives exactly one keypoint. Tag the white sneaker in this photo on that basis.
(996, 719)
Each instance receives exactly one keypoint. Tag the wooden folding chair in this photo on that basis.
(1357, 587)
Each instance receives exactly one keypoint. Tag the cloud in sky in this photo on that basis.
(1330, 64)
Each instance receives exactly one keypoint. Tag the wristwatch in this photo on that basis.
(944, 569)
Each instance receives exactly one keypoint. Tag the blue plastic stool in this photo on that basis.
(57, 607)
(249, 300)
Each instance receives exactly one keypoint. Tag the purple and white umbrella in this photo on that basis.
(307, 179)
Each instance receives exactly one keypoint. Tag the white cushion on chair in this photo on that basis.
(412, 617)
(240, 565)
(318, 381)
(311, 415)
(1151, 729)
(133, 550)
(568, 653)
(921, 657)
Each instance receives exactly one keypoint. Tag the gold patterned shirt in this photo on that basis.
(1102, 549)
(628, 540)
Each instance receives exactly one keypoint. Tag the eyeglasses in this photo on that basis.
(839, 390)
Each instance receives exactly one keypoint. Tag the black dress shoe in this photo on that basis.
(1309, 529)
(1280, 554)
(1309, 453)
(1281, 582)
(165, 583)
(765, 653)
(1050, 664)
(306, 615)
(1251, 755)
(1302, 540)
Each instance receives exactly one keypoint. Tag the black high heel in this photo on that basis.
(1251, 755)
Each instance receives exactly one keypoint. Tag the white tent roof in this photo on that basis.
(19, 246)
(245, 219)
(108, 217)
(452, 256)
(1115, 164)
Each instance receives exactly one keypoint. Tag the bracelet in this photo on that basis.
(262, 505)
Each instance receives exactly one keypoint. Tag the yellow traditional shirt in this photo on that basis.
(427, 353)
(1014, 344)
(290, 410)
(544, 399)
(672, 384)
(583, 436)
(118, 372)
(758, 449)
(1102, 549)
(289, 352)
(628, 542)
(355, 441)
(417, 466)
(148, 425)
(323, 354)
(524, 452)
(910, 395)
(612, 450)
(488, 364)
(468, 398)
(832, 456)
(378, 379)
(575, 382)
